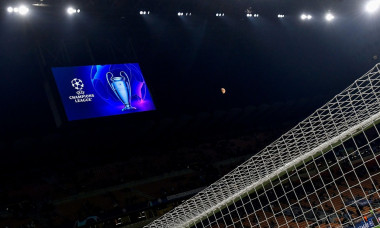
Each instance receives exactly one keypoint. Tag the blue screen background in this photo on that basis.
(94, 81)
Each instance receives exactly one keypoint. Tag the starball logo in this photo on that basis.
(78, 85)
(81, 96)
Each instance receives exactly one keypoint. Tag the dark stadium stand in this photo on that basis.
(68, 192)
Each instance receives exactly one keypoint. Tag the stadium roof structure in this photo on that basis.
(350, 112)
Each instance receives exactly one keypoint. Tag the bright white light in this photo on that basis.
(256, 15)
(148, 12)
(141, 12)
(306, 17)
(329, 17)
(71, 10)
(15, 10)
(23, 10)
(249, 15)
(281, 16)
(372, 6)
(10, 10)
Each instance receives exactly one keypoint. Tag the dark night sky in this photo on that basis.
(187, 60)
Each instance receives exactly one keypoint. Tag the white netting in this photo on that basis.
(286, 184)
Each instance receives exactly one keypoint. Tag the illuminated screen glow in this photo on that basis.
(102, 90)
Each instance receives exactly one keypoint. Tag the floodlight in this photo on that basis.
(306, 17)
(10, 10)
(71, 10)
(23, 10)
(329, 16)
(372, 6)
(256, 15)
(280, 15)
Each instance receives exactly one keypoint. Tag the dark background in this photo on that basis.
(287, 66)
(275, 71)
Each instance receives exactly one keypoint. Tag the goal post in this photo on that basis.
(291, 182)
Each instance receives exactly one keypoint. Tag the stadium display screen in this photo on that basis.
(102, 90)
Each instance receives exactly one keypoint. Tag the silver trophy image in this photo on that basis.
(121, 86)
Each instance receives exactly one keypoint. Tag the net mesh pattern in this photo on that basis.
(324, 172)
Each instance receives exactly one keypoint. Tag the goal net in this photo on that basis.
(324, 172)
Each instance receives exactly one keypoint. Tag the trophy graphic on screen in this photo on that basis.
(121, 86)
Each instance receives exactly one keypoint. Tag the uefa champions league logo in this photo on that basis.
(81, 97)
(78, 85)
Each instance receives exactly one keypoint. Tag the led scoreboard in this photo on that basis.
(102, 90)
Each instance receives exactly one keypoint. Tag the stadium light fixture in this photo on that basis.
(144, 12)
(182, 14)
(220, 14)
(280, 15)
(22, 10)
(329, 16)
(306, 17)
(372, 6)
(72, 11)
(252, 15)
